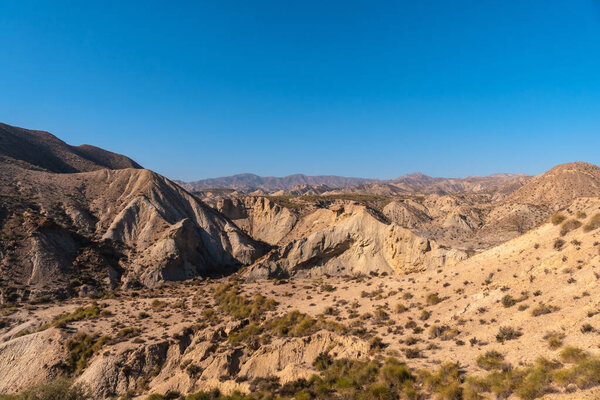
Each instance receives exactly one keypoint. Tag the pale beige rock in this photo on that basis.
(353, 241)
(30, 359)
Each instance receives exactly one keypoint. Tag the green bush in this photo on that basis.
(81, 348)
(58, 389)
(229, 299)
(572, 354)
(297, 324)
(81, 313)
(490, 360)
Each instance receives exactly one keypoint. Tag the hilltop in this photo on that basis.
(44, 151)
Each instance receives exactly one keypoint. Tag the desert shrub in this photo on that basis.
(395, 373)
(508, 301)
(193, 370)
(376, 343)
(212, 395)
(507, 333)
(57, 389)
(411, 353)
(569, 225)
(443, 332)
(247, 332)
(143, 315)
(490, 360)
(229, 299)
(554, 339)
(327, 288)
(381, 315)
(347, 374)
(81, 313)
(322, 362)
(585, 373)
(297, 324)
(158, 305)
(433, 299)
(557, 218)
(367, 380)
(570, 354)
(81, 348)
(558, 244)
(129, 332)
(593, 223)
(542, 309)
(445, 382)
(400, 308)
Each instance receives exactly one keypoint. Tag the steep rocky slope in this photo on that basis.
(559, 186)
(132, 225)
(68, 232)
(42, 150)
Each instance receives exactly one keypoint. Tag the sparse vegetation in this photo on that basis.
(554, 339)
(433, 299)
(542, 309)
(57, 389)
(558, 244)
(507, 333)
(490, 360)
(557, 219)
(81, 348)
(81, 313)
(593, 223)
(229, 299)
(569, 225)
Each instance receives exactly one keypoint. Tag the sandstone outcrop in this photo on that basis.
(352, 240)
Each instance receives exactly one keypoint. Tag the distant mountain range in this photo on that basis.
(271, 183)
(410, 182)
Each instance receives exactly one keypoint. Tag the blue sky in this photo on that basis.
(196, 89)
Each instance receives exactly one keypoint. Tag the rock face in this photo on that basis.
(290, 359)
(30, 359)
(287, 359)
(406, 213)
(259, 217)
(119, 372)
(352, 240)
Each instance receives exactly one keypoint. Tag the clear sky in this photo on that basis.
(196, 89)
